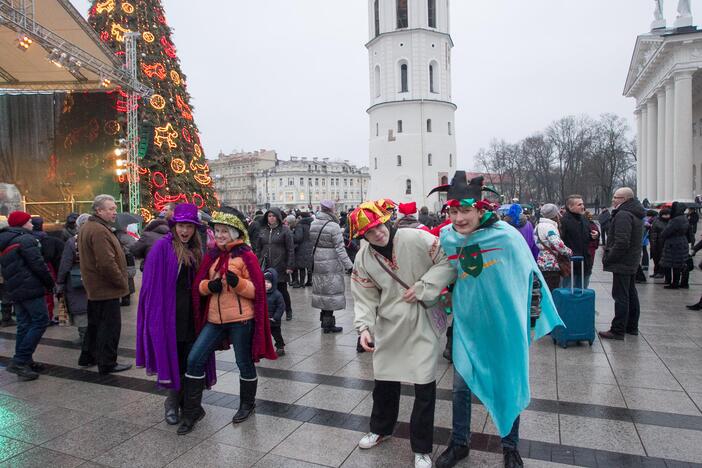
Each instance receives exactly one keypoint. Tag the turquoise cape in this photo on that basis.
(491, 314)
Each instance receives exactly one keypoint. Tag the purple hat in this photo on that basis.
(328, 204)
(184, 213)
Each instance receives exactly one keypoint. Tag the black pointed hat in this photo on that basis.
(460, 188)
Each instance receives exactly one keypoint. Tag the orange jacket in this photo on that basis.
(232, 304)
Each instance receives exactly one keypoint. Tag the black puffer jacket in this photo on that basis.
(623, 250)
(676, 237)
(23, 268)
(657, 228)
(575, 233)
(275, 246)
(303, 242)
(154, 231)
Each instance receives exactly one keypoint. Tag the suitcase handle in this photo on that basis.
(573, 259)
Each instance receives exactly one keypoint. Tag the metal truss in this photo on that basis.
(132, 124)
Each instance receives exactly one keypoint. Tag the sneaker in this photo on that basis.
(422, 460)
(23, 372)
(371, 440)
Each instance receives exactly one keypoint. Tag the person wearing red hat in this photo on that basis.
(407, 217)
(27, 279)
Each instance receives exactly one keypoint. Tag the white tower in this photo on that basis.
(412, 132)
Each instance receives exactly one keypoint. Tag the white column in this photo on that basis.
(682, 136)
(639, 159)
(660, 149)
(669, 127)
(652, 149)
(644, 151)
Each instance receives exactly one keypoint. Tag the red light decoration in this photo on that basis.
(160, 200)
(168, 48)
(105, 36)
(178, 166)
(159, 179)
(184, 108)
(198, 200)
(197, 150)
(186, 135)
(157, 70)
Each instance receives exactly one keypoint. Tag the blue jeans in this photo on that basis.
(460, 435)
(240, 334)
(32, 320)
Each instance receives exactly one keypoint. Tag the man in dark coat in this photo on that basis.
(621, 258)
(276, 249)
(657, 228)
(604, 219)
(255, 228)
(576, 235)
(676, 238)
(303, 251)
(27, 279)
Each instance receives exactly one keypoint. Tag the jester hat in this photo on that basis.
(368, 215)
(461, 192)
(227, 219)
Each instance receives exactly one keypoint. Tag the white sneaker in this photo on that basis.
(371, 440)
(422, 460)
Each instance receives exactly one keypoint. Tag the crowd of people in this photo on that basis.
(215, 280)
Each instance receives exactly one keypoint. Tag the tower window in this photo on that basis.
(399, 160)
(428, 125)
(377, 81)
(399, 126)
(431, 13)
(408, 187)
(431, 79)
(376, 129)
(450, 160)
(375, 160)
(449, 128)
(376, 11)
(403, 78)
(401, 14)
(429, 159)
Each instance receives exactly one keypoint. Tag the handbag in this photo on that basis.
(564, 265)
(436, 312)
(75, 277)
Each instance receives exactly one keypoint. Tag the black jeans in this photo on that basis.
(277, 335)
(386, 406)
(102, 337)
(283, 288)
(626, 304)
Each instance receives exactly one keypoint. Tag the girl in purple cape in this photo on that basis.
(167, 319)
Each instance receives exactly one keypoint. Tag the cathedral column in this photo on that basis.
(682, 136)
(661, 167)
(652, 149)
(644, 152)
(639, 159)
(669, 127)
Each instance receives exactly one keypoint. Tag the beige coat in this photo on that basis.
(406, 346)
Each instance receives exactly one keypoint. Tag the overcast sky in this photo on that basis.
(292, 75)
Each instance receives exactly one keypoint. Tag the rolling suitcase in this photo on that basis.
(576, 306)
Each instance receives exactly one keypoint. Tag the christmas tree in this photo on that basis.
(175, 168)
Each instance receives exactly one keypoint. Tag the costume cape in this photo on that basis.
(491, 313)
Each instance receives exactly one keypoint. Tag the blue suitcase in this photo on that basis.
(576, 306)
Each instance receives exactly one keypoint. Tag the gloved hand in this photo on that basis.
(215, 286)
(349, 271)
(232, 279)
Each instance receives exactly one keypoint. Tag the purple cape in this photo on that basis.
(156, 348)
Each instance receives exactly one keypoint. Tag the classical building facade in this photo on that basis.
(303, 182)
(664, 77)
(234, 176)
(412, 144)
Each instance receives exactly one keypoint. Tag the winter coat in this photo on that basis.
(127, 241)
(409, 221)
(548, 240)
(275, 246)
(676, 239)
(233, 304)
(303, 243)
(103, 264)
(429, 220)
(76, 299)
(330, 264)
(154, 231)
(254, 230)
(24, 270)
(657, 228)
(594, 244)
(575, 232)
(276, 303)
(68, 232)
(51, 249)
(623, 249)
(604, 219)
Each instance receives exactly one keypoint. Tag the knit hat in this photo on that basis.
(71, 218)
(369, 215)
(328, 205)
(549, 210)
(408, 208)
(38, 223)
(184, 213)
(18, 218)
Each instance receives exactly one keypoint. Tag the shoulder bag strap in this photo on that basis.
(394, 276)
(314, 249)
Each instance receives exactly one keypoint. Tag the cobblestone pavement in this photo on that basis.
(630, 403)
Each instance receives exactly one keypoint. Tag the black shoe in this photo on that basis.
(125, 302)
(632, 332)
(658, 276)
(288, 315)
(697, 306)
(172, 407)
(192, 404)
(609, 335)
(37, 366)
(308, 284)
(114, 369)
(671, 286)
(512, 458)
(280, 351)
(684, 286)
(297, 285)
(329, 325)
(248, 400)
(86, 363)
(452, 455)
(24, 373)
(7, 323)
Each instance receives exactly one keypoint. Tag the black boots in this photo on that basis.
(6, 320)
(329, 322)
(248, 400)
(172, 407)
(697, 306)
(192, 404)
(449, 344)
(512, 458)
(452, 455)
